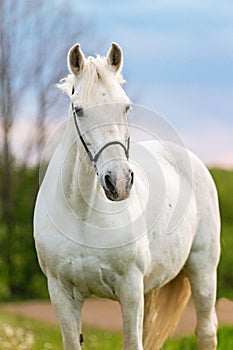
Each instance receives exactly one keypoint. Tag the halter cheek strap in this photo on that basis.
(80, 135)
(95, 158)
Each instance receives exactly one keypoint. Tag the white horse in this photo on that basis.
(101, 217)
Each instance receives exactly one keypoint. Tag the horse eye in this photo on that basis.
(79, 111)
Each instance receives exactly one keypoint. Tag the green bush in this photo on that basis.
(224, 183)
(20, 275)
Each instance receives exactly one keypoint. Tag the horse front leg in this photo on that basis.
(68, 311)
(131, 297)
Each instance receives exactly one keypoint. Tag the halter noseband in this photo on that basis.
(94, 158)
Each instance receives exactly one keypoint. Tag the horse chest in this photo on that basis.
(91, 271)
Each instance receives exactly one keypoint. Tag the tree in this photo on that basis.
(34, 40)
(11, 90)
(49, 51)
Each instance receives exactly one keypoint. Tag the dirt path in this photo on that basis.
(105, 314)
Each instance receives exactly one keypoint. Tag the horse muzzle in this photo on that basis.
(117, 183)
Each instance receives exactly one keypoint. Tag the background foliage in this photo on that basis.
(224, 183)
(20, 275)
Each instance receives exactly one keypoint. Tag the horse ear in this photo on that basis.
(76, 59)
(115, 57)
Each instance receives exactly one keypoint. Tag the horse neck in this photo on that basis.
(80, 182)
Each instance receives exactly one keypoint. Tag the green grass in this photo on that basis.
(16, 331)
(225, 341)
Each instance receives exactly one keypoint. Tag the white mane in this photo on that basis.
(85, 83)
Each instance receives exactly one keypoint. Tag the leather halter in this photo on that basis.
(94, 158)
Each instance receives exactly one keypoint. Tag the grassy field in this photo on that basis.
(20, 333)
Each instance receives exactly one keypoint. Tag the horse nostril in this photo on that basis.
(131, 177)
(109, 184)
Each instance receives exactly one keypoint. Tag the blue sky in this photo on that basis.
(178, 61)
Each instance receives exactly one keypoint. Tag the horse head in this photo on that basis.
(100, 109)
